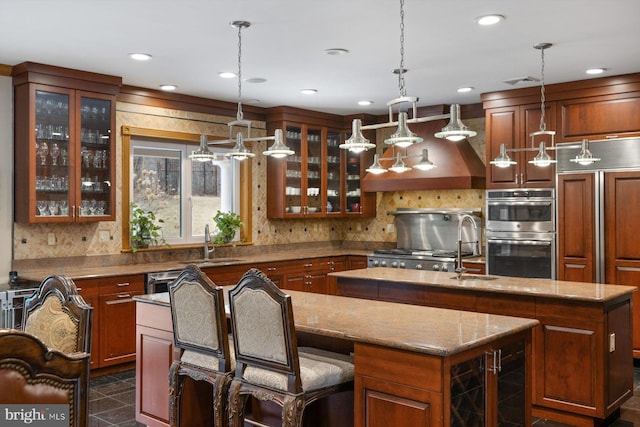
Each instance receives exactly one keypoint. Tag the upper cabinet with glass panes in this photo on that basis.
(319, 179)
(64, 145)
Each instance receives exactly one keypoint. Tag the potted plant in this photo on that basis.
(227, 223)
(145, 228)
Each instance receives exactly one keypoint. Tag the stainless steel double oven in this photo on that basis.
(521, 233)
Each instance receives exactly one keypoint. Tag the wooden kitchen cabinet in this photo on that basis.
(309, 275)
(511, 126)
(577, 378)
(392, 385)
(64, 144)
(599, 117)
(113, 339)
(321, 179)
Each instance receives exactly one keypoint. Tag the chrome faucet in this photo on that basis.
(459, 268)
(207, 241)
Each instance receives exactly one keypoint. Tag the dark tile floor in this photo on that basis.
(112, 400)
(112, 403)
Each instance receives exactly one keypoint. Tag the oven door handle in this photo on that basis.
(515, 203)
(521, 242)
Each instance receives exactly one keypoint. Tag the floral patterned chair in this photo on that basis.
(269, 364)
(59, 317)
(200, 330)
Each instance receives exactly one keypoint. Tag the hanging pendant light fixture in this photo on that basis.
(455, 130)
(376, 168)
(202, 154)
(542, 159)
(403, 137)
(424, 164)
(503, 160)
(585, 157)
(278, 150)
(399, 166)
(240, 151)
(357, 143)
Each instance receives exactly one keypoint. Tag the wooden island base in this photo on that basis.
(582, 349)
(414, 366)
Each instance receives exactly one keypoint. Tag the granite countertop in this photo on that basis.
(580, 291)
(87, 272)
(427, 330)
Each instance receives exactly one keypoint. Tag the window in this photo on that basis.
(184, 194)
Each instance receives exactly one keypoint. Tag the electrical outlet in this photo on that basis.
(358, 227)
(51, 239)
(390, 228)
(104, 235)
(612, 342)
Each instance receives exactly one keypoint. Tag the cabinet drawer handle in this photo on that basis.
(272, 268)
(120, 285)
(308, 265)
(611, 136)
(123, 296)
(78, 289)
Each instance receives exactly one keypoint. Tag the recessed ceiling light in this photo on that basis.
(365, 102)
(256, 80)
(309, 91)
(489, 19)
(227, 74)
(596, 70)
(140, 56)
(168, 87)
(465, 89)
(336, 51)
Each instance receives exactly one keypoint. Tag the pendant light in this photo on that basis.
(202, 154)
(503, 160)
(455, 130)
(585, 157)
(278, 150)
(376, 168)
(399, 166)
(240, 151)
(403, 137)
(542, 159)
(357, 143)
(424, 164)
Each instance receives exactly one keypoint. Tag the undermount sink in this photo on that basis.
(474, 277)
(209, 262)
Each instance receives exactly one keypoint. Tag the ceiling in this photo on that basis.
(191, 42)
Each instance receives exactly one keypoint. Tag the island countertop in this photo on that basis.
(588, 292)
(427, 330)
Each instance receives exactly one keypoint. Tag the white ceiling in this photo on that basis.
(191, 41)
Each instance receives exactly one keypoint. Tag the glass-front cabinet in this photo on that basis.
(64, 158)
(320, 179)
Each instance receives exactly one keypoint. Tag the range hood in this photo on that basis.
(457, 165)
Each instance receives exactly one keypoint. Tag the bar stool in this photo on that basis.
(200, 330)
(269, 364)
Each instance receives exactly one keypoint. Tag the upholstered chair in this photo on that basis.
(58, 316)
(269, 364)
(33, 374)
(200, 330)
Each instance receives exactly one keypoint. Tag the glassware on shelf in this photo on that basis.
(53, 207)
(42, 207)
(64, 154)
(100, 207)
(64, 207)
(84, 207)
(43, 151)
(87, 157)
(55, 153)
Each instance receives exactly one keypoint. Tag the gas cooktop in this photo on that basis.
(437, 253)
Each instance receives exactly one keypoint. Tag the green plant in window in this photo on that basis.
(227, 223)
(145, 228)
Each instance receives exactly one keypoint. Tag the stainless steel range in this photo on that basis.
(12, 297)
(428, 239)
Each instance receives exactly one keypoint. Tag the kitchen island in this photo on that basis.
(582, 349)
(413, 365)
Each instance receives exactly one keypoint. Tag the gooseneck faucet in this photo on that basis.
(464, 217)
(207, 241)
